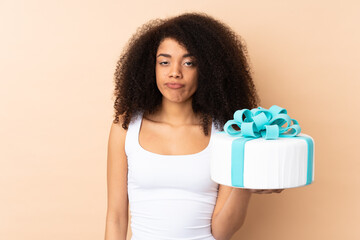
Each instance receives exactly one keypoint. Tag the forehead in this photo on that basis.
(171, 45)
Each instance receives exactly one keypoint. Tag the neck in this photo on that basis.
(177, 113)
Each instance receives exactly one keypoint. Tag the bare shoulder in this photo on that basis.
(118, 126)
(116, 145)
(117, 133)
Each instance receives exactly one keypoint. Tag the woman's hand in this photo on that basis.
(266, 191)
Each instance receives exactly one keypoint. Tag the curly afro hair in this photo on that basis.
(224, 76)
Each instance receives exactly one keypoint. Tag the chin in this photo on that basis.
(177, 99)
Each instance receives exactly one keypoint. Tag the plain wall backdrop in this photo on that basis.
(57, 60)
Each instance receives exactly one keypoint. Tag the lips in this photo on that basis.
(174, 85)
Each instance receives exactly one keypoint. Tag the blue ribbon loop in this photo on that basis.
(260, 122)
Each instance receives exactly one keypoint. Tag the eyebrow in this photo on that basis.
(168, 55)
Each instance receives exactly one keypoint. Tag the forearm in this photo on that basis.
(232, 216)
(116, 230)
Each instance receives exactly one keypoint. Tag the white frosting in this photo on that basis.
(268, 164)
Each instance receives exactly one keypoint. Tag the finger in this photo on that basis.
(256, 190)
(266, 191)
(259, 191)
(263, 191)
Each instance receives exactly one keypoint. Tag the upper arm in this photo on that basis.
(223, 195)
(117, 209)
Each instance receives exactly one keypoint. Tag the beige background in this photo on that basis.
(57, 60)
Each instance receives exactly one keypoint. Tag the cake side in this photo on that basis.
(267, 164)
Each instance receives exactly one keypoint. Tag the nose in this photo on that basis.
(175, 71)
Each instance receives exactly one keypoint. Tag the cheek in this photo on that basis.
(160, 74)
(160, 83)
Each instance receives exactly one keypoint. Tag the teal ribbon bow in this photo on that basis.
(260, 122)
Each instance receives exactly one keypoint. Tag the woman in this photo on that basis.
(177, 81)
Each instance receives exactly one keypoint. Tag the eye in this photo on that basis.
(189, 64)
(163, 63)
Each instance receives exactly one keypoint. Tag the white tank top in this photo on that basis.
(170, 196)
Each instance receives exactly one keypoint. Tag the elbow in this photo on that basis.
(116, 217)
(222, 232)
(221, 237)
(224, 236)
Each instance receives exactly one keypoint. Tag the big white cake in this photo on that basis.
(258, 163)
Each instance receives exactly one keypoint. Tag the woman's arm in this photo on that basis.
(230, 211)
(117, 205)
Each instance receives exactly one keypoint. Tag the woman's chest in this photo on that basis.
(167, 140)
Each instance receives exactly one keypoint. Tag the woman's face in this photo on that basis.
(176, 71)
